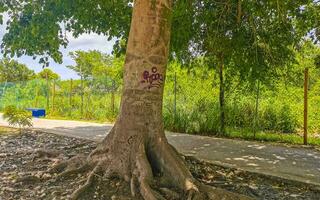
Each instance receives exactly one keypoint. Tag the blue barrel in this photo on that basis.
(37, 112)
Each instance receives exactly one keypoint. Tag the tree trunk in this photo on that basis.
(82, 93)
(48, 91)
(88, 103)
(70, 97)
(137, 145)
(37, 97)
(53, 95)
(136, 148)
(4, 88)
(175, 99)
(256, 114)
(221, 96)
(239, 12)
(113, 97)
(305, 116)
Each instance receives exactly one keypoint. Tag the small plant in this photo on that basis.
(17, 117)
(287, 122)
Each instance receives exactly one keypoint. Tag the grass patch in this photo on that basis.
(291, 138)
(68, 118)
(8, 130)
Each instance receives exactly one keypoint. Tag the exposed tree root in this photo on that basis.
(72, 172)
(72, 164)
(155, 171)
(89, 183)
(28, 179)
(167, 193)
(42, 153)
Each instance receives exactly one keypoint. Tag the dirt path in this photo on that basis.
(301, 164)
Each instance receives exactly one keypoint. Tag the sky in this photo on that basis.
(84, 42)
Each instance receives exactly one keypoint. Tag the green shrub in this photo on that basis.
(240, 112)
(17, 117)
(268, 118)
(197, 103)
(287, 123)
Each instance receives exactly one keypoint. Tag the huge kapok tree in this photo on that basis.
(136, 149)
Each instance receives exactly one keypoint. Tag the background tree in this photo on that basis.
(13, 71)
(108, 76)
(85, 62)
(255, 39)
(110, 69)
(48, 74)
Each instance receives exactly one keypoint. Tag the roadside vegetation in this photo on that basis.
(17, 117)
(7, 131)
(254, 109)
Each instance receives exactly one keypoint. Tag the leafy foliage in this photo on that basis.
(102, 71)
(42, 26)
(48, 73)
(12, 71)
(17, 117)
(197, 106)
(39, 28)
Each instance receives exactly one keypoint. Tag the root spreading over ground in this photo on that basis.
(151, 166)
(45, 166)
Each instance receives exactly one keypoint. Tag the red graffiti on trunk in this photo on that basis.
(153, 79)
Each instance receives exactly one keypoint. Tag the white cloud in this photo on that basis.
(84, 42)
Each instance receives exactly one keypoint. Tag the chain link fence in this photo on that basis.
(96, 100)
(191, 102)
(64, 98)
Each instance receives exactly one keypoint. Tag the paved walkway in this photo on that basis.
(301, 164)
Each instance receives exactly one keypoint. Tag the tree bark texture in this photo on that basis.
(221, 95)
(136, 149)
